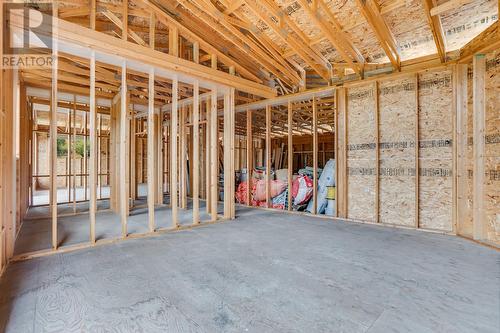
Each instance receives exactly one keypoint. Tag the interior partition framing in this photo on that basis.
(125, 113)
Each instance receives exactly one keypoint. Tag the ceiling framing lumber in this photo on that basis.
(371, 11)
(93, 40)
(302, 48)
(169, 21)
(211, 15)
(448, 5)
(336, 37)
(436, 28)
(486, 41)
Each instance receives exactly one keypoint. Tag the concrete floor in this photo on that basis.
(36, 231)
(264, 272)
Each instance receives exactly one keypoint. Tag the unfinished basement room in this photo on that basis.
(250, 166)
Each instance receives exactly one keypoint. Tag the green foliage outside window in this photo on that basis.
(62, 147)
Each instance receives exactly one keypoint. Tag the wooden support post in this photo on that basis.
(85, 155)
(92, 14)
(214, 155)
(152, 30)
(336, 150)
(125, 19)
(69, 158)
(151, 148)
(73, 154)
(232, 135)
(249, 156)
(417, 162)
(196, 153)
(93, 150)
(53, 135)
(341, 158)
(183, 157)
(268, 156)
(479, 110)
(174, 119)
(346, 155)
(207, 157)
(315, 154)
(196, 52)
(228, 162)
(99, 157)
(133, 158)
(123, 151)
(213, 61)
(377, 153)
(159, 157)
(461, 145)
(173, 41)
(290, 154)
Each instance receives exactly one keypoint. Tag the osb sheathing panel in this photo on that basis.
(247, 12)
(361, 152)
(367, 43)
(301, 19)
(411, 30)
(435, 92)
(492, 148)
(397, 151)
(464, 23)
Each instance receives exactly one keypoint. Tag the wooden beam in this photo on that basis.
(268, 156)
(232, 134)
(174, 119)
(183, 157)
(377, 152)
(317, 62)
(233, 6)
(125, 19)
(196, 52)
(461, 143)
(53, 134)
(347, 51)
(448, 5)
(214, 155)
(173, 41)
(152, 30)
(77, 35)
(93, 151)
(151, 155)
(290, 155)
(371, 12)
(486, 41)
(196, 153)
(207, 157)
(165, 18)
(336, 152)
(478, 116)
(92, 14)
(123, 151)
(417, 154)
(436, 28)
(315, 154)
(228, 155)
(249, 157)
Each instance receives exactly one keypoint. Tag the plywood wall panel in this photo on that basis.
(397, 106)
(361, 157)
(435, 93)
